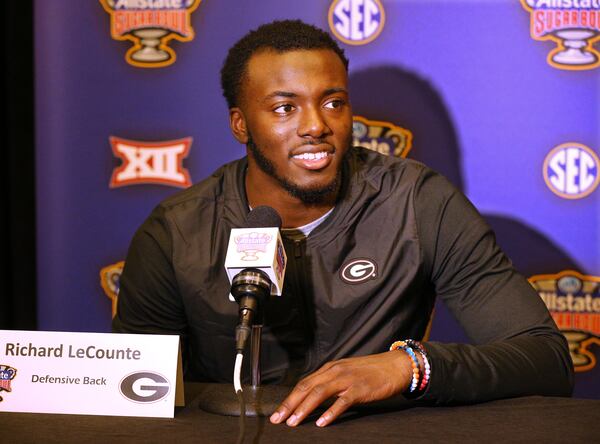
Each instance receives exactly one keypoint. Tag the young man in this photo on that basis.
(371, 240)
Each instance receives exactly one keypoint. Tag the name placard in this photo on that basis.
(90, 373)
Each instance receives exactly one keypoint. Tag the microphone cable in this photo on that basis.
(237, 385)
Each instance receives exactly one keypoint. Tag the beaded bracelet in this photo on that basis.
(426, 371)
(401, 345)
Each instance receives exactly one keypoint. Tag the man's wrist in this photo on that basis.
(420, 366)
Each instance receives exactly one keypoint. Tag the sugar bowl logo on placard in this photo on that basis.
(356, 22)
(150, 25)
(151, 162)
(7, 374)
(382, 137)
(573, 24)
(571, 170)
(573, 300)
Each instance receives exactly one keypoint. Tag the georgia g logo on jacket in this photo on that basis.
(358, 270)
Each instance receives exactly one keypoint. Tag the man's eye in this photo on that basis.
(334, 104)
(284, 109)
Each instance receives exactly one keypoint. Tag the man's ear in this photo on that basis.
(237, 123)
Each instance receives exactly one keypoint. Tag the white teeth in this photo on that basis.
(311, 156)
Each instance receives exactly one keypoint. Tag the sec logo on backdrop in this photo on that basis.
(571, 170)
(356, 22)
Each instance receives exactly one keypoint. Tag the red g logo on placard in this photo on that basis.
(144, 387)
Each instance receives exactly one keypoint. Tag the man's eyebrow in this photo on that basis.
(335, 90)
(280, 94)
(290, 94)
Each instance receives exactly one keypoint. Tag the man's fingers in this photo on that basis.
(288, 405)
(355, 380)
(343, 403)
(313, 399)
(316, 387)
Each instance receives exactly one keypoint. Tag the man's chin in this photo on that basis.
(314, 194)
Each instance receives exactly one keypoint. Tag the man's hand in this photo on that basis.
(353, 380)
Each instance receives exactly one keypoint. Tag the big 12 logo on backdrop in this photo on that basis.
(573, 24)
(150, 162)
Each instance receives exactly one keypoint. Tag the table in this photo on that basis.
(529, 419)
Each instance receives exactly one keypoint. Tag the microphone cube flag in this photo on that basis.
(259, 248)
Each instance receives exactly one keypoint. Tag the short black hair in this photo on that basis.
(281, 36)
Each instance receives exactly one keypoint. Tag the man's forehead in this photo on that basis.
(271, 67)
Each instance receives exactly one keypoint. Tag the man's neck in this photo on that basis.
(293, 211)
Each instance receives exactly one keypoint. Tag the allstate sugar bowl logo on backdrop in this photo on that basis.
(574, 303)
(383, 137)
(158, 163)
(573, 24)
(571, 170)
(109, 280)
(150, 25)
(7, 374)
(356, 22)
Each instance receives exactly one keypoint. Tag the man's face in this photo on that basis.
(298, 121)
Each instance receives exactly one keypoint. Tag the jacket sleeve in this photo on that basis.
(149, 300)
(516, 348)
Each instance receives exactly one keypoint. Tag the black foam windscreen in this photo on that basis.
(263, 217)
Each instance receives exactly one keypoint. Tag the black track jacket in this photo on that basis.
(418, 235)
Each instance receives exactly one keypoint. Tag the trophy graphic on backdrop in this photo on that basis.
(150, 26)
(575, 27)
(150, 51)
(574, 42)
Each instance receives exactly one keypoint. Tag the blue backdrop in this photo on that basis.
(473, 83)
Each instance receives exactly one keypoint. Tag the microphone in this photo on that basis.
(255, 265)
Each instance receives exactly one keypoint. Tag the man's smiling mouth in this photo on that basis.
(311, 156)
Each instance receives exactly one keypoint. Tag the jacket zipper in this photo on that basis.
(300, 286)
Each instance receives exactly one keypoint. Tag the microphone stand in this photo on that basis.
(259, 400)
(255, 353)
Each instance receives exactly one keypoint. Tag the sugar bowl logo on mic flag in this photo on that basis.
(573, 24)
(572, 170)
(150, 25)
(7, 374)
(573, 300)
(356, 22)
(249, 244)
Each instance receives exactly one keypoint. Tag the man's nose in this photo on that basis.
(312, 123)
